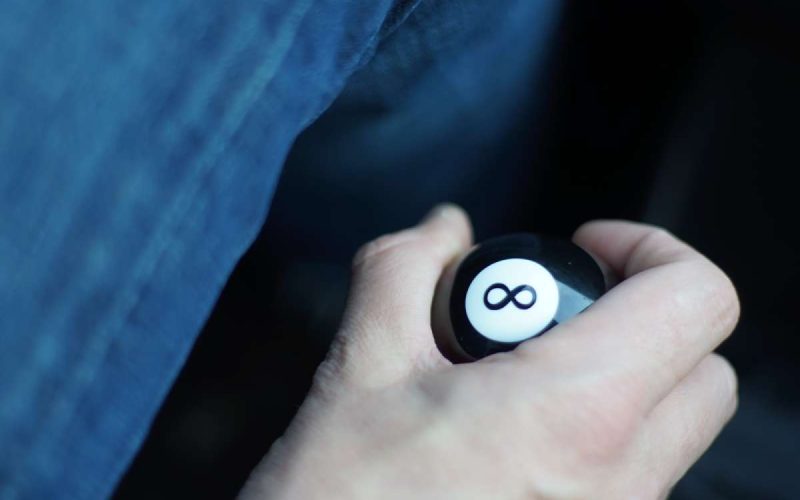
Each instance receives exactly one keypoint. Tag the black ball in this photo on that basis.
(511, 289)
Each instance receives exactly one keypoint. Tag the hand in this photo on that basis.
(616, 403)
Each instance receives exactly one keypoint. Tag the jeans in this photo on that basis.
(140, 143)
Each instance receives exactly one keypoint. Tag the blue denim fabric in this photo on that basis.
(458, 87)
(140, 143)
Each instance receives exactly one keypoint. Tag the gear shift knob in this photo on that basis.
(511, 289)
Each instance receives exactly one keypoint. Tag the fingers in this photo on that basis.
(680, 429)
(629, 248)
(646, 334)
(386, 326)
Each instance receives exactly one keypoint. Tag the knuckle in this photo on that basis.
(657, 246)
(606, 442)
(699, 291)
(656, 237)
(606, 422)
(729, 381)
(721, 299)
(729, 304)
(385, 246)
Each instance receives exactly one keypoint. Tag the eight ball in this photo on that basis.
(511, 289)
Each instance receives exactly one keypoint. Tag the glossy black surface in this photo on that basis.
(580, 282)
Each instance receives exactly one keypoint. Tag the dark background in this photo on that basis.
(681, 114)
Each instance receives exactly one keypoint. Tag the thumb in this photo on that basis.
(386, 331)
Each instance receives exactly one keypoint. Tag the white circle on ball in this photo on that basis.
(512, 322)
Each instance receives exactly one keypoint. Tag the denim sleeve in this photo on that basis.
(140, 142)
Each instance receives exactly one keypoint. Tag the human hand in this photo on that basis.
(616, 403)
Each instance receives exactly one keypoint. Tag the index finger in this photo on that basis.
(673, 307)
(386, 325)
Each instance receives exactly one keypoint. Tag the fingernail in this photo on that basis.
(446, 210)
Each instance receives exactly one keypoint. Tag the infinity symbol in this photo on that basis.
(511, 296)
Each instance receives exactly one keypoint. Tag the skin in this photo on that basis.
(616, 403)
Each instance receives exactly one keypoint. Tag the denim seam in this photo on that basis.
(396, 23)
